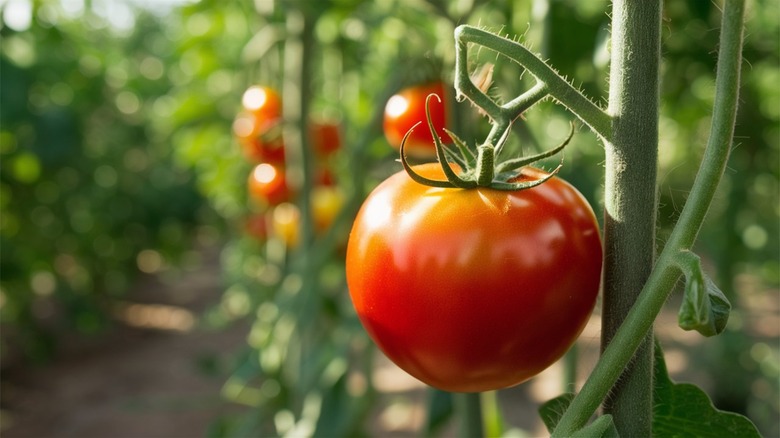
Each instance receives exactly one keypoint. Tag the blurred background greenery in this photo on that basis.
(118, 158)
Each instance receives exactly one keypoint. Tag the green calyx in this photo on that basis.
(480, 169)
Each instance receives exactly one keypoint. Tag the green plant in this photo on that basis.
(340, 59)
(90, 193)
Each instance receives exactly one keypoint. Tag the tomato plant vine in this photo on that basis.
(628, 128)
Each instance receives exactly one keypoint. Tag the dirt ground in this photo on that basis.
(142, 382)
(134, 381)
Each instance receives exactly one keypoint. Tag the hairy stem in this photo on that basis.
(630, 198)
(659, 285)
(555, 85)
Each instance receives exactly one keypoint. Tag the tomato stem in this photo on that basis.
(485, 165)
(550, 82)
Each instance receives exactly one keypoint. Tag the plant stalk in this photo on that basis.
(468, 407)
(630, 198)
(665, 274)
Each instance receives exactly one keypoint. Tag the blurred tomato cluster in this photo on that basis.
(273, 210)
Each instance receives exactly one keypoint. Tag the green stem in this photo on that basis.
(469, 408)
(557, 86)
(659, 285)
(298, 53)
(630, 198)
(485, 165)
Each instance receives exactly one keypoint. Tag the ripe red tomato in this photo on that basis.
(260, 140)
(256, 226)
(268, 184)
(258, 126)
(473, 290)
(262, 102)
(406, 108)
(325, 137)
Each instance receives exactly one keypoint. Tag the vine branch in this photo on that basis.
(665, 274)
(550, 82)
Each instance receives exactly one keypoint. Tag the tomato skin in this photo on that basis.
(473, 290)
(407, 108)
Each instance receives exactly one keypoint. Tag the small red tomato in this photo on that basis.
(325, 137)
(473, 290)
(258, 127)
(260, 140)
(324, 177)
(407, 108)
(256, 227)
(262, 102)
(268, 185)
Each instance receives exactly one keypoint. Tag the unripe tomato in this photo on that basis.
(326, 202)
(473, 290)
(285, 223)
(407, 108)
(268, 185)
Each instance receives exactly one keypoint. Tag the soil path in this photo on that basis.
(133, 382)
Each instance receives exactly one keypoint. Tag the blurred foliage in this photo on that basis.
(88, 188)
(103, 125)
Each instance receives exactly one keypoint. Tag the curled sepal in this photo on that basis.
(452, 177)
(510, 186)
(704, 307)
(524, 161)
(416, 177)
(468, 156)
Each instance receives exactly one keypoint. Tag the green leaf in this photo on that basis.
(683, 410)
(704, 307)
(552, 410)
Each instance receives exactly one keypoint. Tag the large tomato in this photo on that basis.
(473, 290)
(407, 108)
